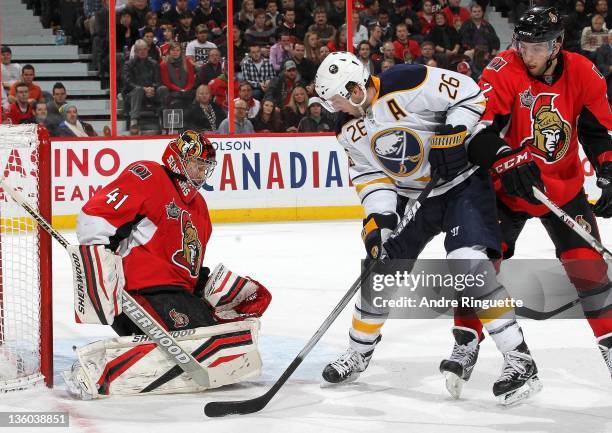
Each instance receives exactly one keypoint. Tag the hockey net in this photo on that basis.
(25, 261)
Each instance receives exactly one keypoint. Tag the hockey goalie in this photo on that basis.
(146, 233)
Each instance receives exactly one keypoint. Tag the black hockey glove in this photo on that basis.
(377, 228)
(603, 207)
(447, 153)
(519, 173)
(201, 283)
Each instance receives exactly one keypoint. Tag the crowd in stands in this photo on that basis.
(171, 54)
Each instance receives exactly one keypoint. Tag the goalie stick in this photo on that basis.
(141, 318)
(243, 407)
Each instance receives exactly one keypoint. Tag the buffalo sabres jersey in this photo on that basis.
(389, 147)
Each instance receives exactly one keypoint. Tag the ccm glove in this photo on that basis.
(377, 228)
(603, 207)
(447, 153)
(519, 173)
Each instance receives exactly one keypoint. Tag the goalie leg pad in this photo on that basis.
(134, 365)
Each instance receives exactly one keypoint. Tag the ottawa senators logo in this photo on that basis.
(583, 222)
(180, 320)
(190, 255)
(551, 134)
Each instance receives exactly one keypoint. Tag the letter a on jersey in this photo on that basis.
(551, 134)
(189, 257)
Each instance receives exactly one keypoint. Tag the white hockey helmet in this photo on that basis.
(336, 71)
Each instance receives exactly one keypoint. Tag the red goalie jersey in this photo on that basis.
(549, 118)
(143, 217)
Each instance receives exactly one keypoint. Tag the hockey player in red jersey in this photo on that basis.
(153, 221)
(540, 101)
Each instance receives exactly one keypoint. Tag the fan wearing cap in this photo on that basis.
(281, 86)
(315, 121)
(541, 101)
(198, 49)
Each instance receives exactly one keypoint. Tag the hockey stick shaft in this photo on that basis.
(141, 318)
(223, 408)
(572, 224)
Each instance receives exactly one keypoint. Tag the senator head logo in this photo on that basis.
(399, 151)
(551, 134)
(189, 256)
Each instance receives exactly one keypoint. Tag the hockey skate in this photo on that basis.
(347, 367)
(458, 368)
(605, 346)
(519, 377)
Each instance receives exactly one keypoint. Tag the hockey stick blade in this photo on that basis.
(244, 407)
(528, 313)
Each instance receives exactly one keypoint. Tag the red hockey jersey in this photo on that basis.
(549, 119)
(142, 216)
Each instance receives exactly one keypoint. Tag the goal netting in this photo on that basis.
(25, 298)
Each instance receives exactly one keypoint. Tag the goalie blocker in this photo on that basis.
(135, 365)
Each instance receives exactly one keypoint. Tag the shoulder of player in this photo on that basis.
(144, 171)
(402, 78)
(506, 67)
(579, 64)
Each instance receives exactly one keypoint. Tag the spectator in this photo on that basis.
(281, 87)
(445, 37)
(280, 51)
(260, 33)
(211, 16)
(296, 109)
(407, 16)
(173, 15)
(339, 42)
(240, 50)
(603, 58)
(403, 42)
(385, 25)
(428, 53)
(388, 53)
(360, 32)
(386, 64)
(337, 13)
(99, 44)
(197, 50)
(455, 14)
(426, 17)
(288, 25)
(300, 13)
(242, 125)
(20, 111)
(268, 118)
(323, 52)
(27, 78)
(375, 40)
(143, 82)
(72, 126)
(323, 30)
(185, 31)
(165, 5)
(245, 93)
(363, 54)
(480, 61)
(178, 76)
(594, 36)
(126, 33)
(273, 16)
(370, 14)
(41, 117)
(138, 9)
(464, 68)
(258, 71)
(246, 16)
(149, 37)
(212, 69)
(601, 8)
(311, 47)
(169, 37)
(314, 122)
(478, 32)
(204, 114)
(90, 8)
(574, 23)
(151, 22)
(55, 107)
(11, 72)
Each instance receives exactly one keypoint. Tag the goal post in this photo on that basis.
(26, 319)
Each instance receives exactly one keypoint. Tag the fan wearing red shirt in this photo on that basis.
(455, 14)
(403, 41)
(21, 111)
(540, 101)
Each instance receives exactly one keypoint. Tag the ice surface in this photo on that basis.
(308, 267)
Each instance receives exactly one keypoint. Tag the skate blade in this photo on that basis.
(531, 387)
(352, 378)
(454, 384)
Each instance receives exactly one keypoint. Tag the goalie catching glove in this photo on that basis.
(98, 283)
(233, 297)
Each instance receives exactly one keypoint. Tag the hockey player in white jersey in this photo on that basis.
(398, 129)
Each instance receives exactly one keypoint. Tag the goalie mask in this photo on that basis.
(191, 157)
(337, 72)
